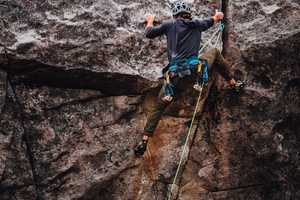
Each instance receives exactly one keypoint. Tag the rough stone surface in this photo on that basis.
(17, 180)
(78, 79)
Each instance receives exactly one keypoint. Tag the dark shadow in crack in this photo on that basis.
(35, 73)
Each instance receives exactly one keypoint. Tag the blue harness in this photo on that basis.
(184, 68)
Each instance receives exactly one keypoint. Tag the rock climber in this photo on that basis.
(183, 42)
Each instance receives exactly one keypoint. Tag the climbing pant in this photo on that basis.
(215, 61)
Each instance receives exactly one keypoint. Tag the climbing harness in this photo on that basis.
(182, 69)
(216, 36)
(188, 66)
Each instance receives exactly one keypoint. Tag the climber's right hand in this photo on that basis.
(150, 18)
(218, 16)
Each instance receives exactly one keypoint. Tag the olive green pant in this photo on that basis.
(215, 60)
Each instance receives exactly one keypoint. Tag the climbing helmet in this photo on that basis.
(180, 6)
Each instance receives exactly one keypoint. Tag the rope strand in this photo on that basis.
(186, 142)
(216, 34)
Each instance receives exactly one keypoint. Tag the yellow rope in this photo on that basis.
(186, 142)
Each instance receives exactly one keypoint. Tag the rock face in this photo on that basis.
(78, 79)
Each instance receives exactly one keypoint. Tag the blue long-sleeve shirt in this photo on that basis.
(183, 36)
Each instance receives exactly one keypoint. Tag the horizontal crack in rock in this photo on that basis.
(32, 72)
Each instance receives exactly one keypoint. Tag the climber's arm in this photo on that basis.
(151, 31)
(203, 25)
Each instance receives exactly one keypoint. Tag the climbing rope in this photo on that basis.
(216, 36)
(186, 142)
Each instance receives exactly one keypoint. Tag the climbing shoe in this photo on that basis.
(238, 86)
(140, 149)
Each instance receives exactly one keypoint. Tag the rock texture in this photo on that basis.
(78, 79)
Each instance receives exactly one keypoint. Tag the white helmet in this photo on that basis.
(180, 6)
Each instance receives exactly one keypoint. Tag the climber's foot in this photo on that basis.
(140, 149)
(238, 86)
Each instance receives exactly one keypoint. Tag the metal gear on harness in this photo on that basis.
(168, 87)
(202, 71)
